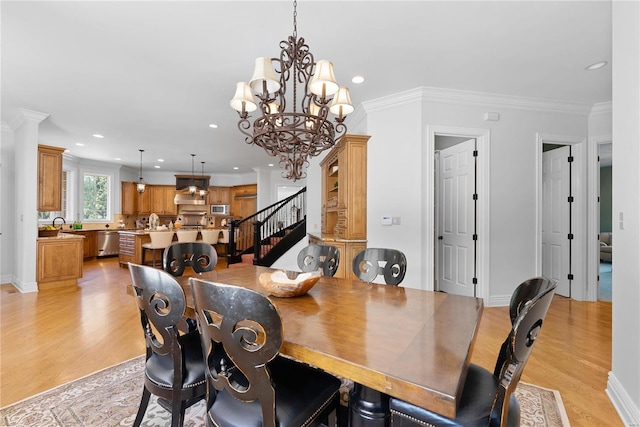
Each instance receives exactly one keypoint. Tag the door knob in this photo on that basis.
(439, 237)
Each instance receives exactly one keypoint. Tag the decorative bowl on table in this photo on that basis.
(289, 283)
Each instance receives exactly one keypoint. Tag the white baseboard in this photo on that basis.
(23, 287)
(622, 402)
(499, 301)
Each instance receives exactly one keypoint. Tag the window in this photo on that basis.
(97, 191)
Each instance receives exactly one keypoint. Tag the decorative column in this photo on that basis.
(26, 130)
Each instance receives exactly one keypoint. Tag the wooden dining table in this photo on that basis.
(389, 340)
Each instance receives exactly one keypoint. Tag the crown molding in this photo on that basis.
(24, 115)
(602, 107)
(477, 99)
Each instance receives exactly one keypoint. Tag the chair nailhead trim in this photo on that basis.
(415, 420)
(320, 409)
(169, 386)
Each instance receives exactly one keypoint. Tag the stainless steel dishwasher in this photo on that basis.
(108, 243)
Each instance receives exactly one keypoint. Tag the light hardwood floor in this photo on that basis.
(52, 337)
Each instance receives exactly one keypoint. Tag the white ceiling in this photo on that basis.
(153, 75)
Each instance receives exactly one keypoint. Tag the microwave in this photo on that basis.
(219, 209)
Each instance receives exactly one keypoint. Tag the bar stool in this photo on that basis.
(159, 241)
(187, 235)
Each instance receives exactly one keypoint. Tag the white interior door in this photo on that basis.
(556, 218)
(455, 245)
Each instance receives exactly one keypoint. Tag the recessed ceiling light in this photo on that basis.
(79, 144)
(157, 167)
(270, 164)
(117, 158)
(213, 126)
(97, 135)
(161, 160)
(596, 65)
(235, 168)
(357, 79)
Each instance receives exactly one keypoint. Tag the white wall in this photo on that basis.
(396, 174)
(623, 386)
(7, 204)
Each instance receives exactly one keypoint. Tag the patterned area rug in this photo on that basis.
(111, 397)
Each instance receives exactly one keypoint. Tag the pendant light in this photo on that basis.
(193, 187)
(203, 191)
(141, 184)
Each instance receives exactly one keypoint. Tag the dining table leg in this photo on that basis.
(368, 407)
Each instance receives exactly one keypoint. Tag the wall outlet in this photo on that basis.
(386, 220)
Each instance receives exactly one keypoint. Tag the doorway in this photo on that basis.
(605, 215)
(480, 257)
(456, 198)
(572, 271)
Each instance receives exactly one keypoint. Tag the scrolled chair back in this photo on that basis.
(199, 256)
(250, 329)
(372, 262)
(314, 257)
(529, 305)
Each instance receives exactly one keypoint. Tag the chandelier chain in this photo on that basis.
(295, 19)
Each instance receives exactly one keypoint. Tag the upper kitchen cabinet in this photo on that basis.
(49, 178)
(144, 201)
(243, 200)
(161, 199)
(218, 196)
(129, 198)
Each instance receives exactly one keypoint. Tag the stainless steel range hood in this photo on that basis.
(188, 199)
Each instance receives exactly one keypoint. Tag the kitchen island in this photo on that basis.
(59, 261)
(131, 242)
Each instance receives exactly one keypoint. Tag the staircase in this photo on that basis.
(265, 236)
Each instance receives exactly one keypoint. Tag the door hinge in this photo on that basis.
(475, 196)
(475, 237)
(570, 237)
(475, 281)
(570, 276)
(570, 159)
(570, 199)
(475, 153)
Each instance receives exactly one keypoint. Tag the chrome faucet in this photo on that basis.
(58, 217)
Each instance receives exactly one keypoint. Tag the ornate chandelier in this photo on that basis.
(304, 131)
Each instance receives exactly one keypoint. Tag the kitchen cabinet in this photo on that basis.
(131, 247)
(49, 178)
(218, 196)
(144, 201)
(58, 261)
(243, 200)
(161, 199)
(129, 204)
(90, 243)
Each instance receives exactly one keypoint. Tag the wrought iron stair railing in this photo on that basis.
(270, 232)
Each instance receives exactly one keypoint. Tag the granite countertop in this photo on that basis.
(62, 235)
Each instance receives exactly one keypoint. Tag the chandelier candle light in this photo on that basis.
(203, 191)
(305, 131)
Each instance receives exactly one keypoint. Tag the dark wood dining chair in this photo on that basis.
(314, 257)
(260, 388)
(373, 262)
(200, 256)
(488, 398)
(174, 368)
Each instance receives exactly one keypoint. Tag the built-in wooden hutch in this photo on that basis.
(344, 200)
